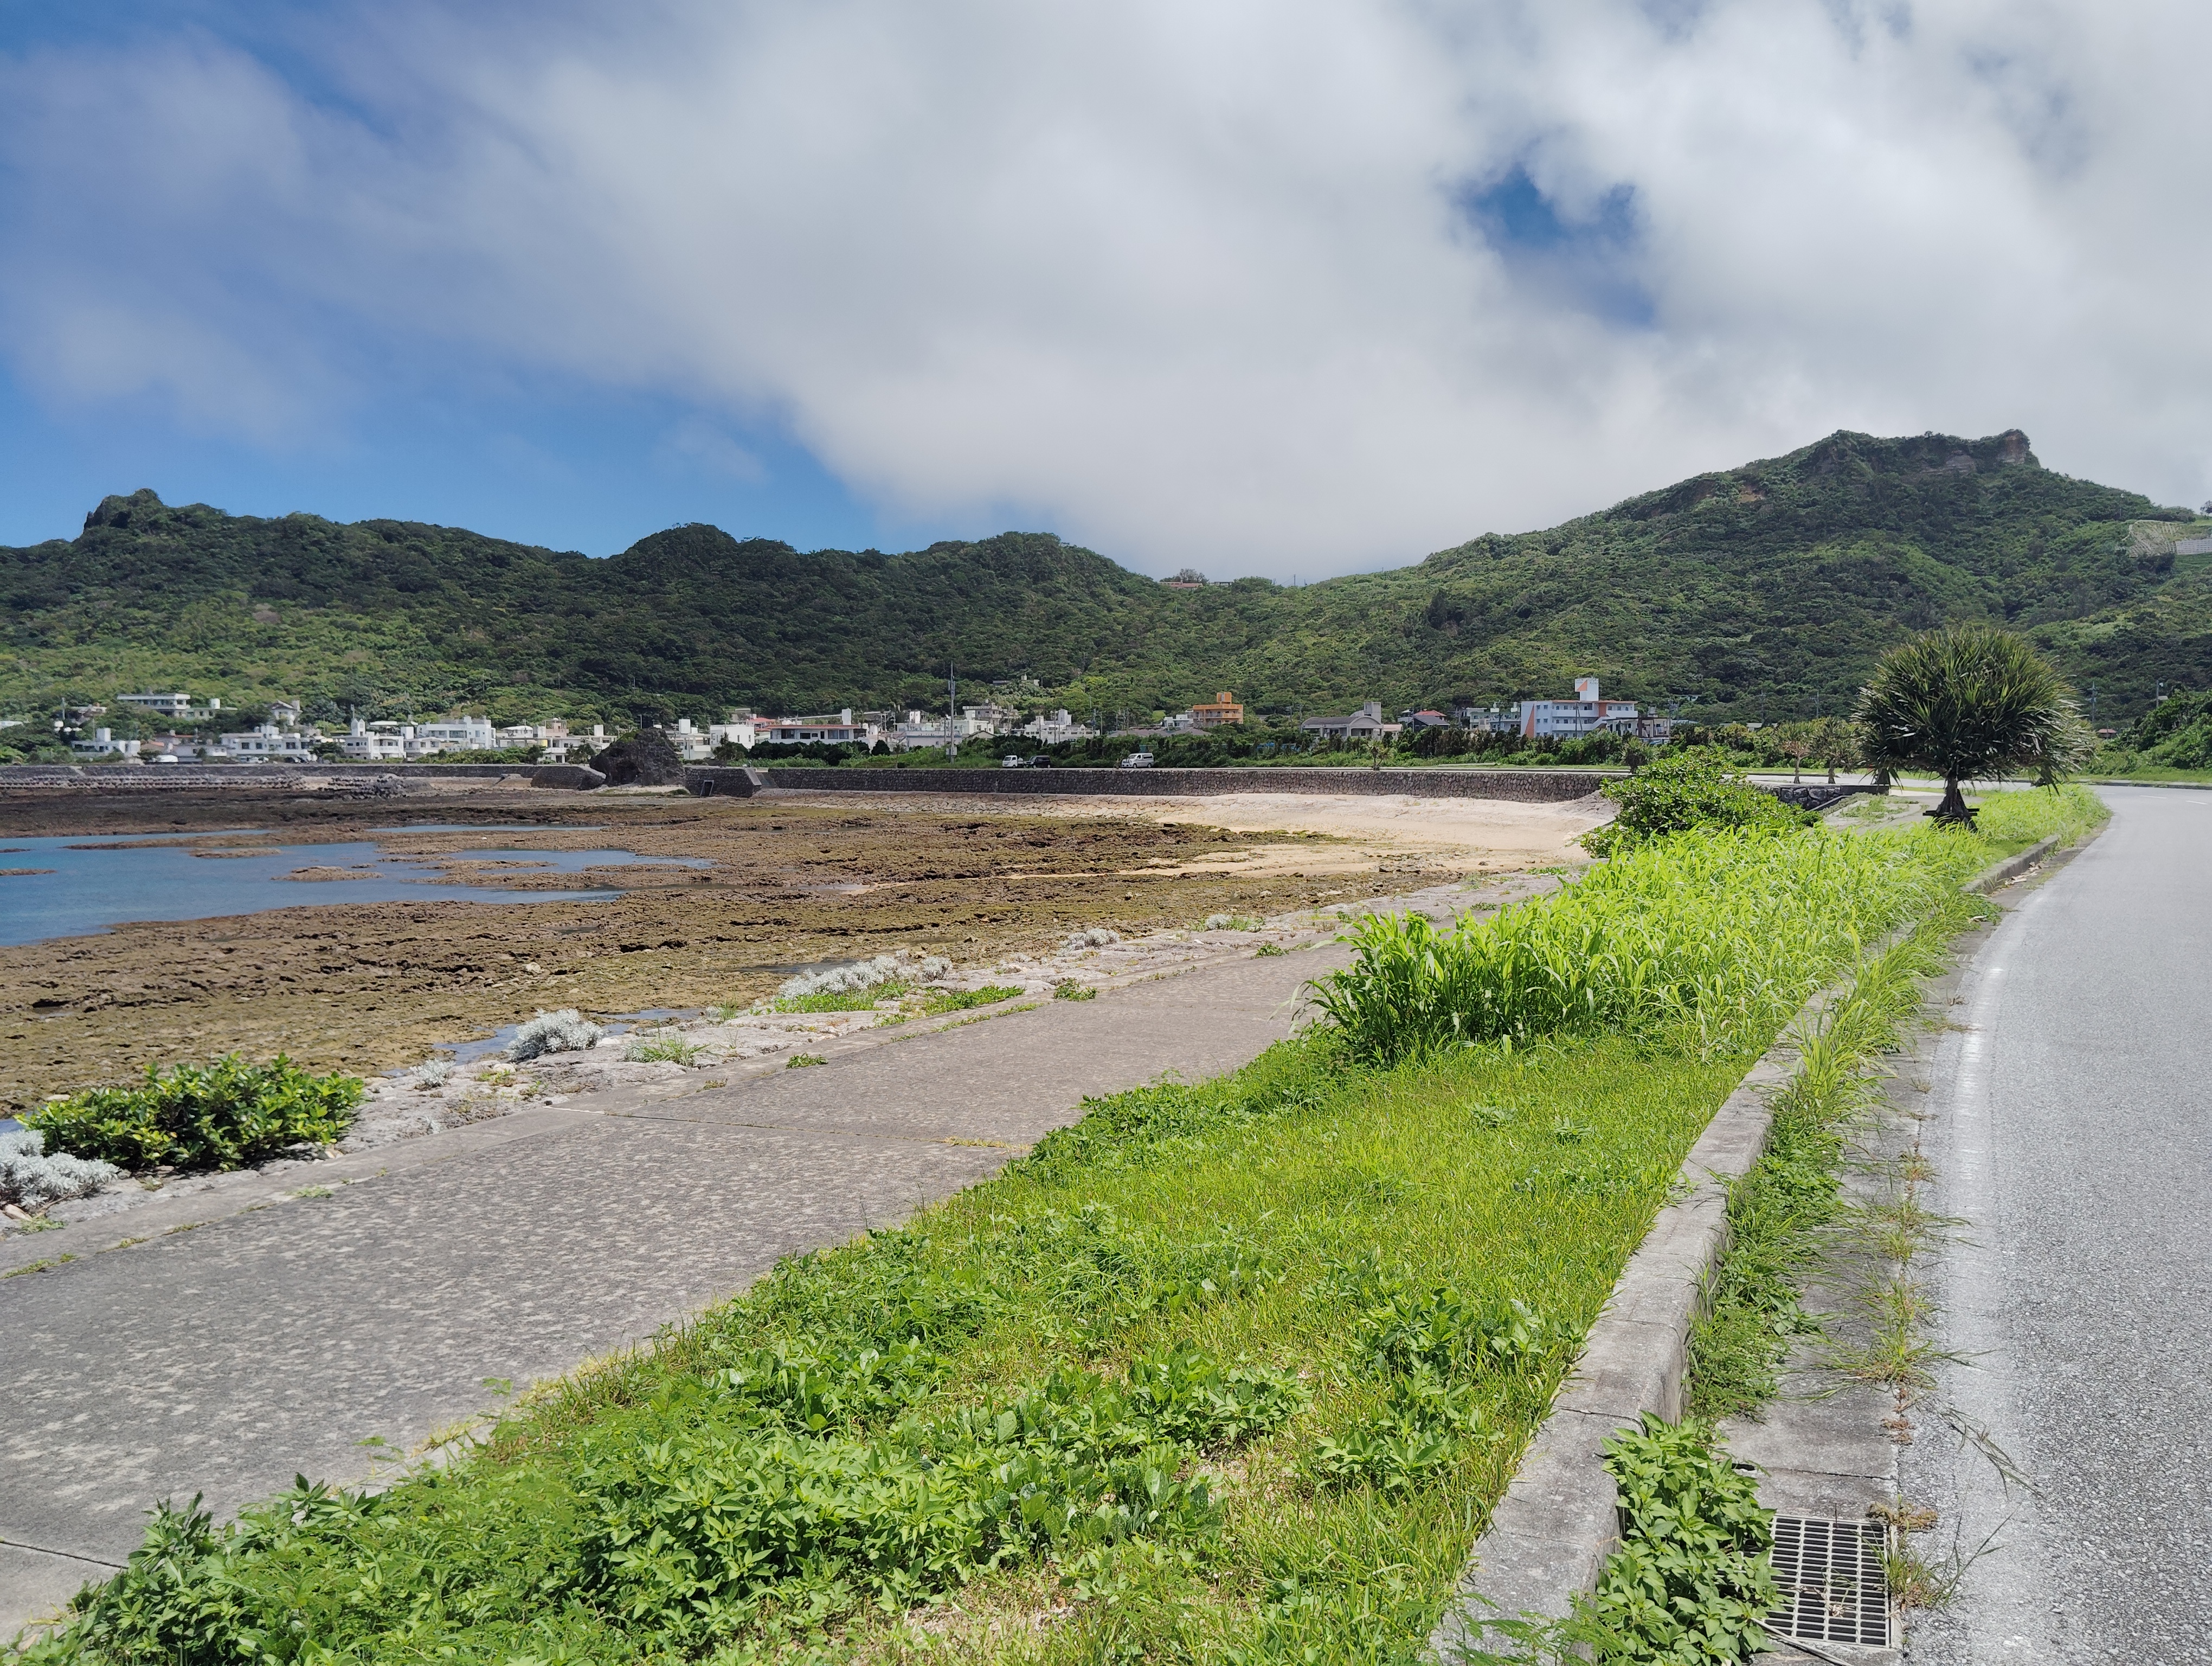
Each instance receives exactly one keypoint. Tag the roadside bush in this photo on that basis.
(30, 1180)
(221, 1116)
(1689, 789)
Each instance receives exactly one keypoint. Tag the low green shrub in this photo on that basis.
(226, 1115)
(1681, 791)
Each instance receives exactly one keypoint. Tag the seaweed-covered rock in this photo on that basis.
(646, 758)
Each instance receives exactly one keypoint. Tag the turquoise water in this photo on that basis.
(94, 883)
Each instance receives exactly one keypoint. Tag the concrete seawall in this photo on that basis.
(137, 777)
(1526, 786)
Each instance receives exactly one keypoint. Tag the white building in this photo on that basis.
(531, 735)
(372, 742)
(693, 744)
(739, 731)
(1056, 729)
(1583, 715)
(267, 744)
(462, 733)
(839, 728)
(1365, 724)
(168, 705)
(568, 746)
(1495, 722)
(100, 744)
(922, 728)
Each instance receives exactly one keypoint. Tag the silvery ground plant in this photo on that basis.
(865, 975)
(565, 1031)
(29, 1179)
(1093, 937)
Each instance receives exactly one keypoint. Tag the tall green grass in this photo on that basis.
(1702, 943)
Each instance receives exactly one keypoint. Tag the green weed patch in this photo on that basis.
(936, 1002)
(221, 1116)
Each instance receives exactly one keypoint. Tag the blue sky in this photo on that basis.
(1287, 287)
(545, 459)
(568, 466)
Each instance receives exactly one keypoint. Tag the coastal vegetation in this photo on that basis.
(226, 1115)
(1765, 592)
(1230, 1371)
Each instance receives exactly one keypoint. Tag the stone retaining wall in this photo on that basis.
(1526, 786)
(135, 777)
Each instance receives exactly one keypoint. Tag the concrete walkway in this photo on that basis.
(2072, 1132)
(276, 1340)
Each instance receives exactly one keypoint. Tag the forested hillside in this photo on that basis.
(1762, 591)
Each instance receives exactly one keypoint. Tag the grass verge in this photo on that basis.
(1785, 1212)
(1278, 1311)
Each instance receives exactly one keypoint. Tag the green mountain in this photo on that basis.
(1764, 590)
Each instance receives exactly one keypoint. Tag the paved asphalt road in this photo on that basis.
(2072, 1133)
(224, 1360)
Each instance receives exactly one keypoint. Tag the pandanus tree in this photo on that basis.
(1969, 703)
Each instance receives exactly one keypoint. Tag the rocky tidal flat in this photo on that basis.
(781, 886)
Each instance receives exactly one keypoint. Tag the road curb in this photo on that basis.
(1550, 1534)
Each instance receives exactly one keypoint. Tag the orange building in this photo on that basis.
(1222, 709)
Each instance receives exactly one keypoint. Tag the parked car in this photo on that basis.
(1137, 761)
(1012, 761)
(1042, 761)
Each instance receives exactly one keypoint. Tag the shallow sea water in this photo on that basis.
(92, 884)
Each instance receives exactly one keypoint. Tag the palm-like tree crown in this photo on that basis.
(1970, 702)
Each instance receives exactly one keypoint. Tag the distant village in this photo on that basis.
(284, 735)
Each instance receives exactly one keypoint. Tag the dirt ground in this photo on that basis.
(794, 879)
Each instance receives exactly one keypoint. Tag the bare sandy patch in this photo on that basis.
(1466, 833)
(1387, 833)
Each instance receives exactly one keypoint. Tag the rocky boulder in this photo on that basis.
(646, 758)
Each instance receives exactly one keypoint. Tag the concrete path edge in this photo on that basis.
(1550, 1534)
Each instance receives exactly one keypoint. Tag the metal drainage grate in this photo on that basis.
(1833, 1580)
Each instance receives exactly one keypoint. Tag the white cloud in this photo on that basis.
(1185, 282)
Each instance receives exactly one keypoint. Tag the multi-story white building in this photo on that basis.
(1585, 714)
(922, 728)
(1059, 726)
(566, 746)
(1495, 722)
(99, 744)
(267, 744)
(840, 728)
(372, 742)
(461, 733)
(166, 705)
